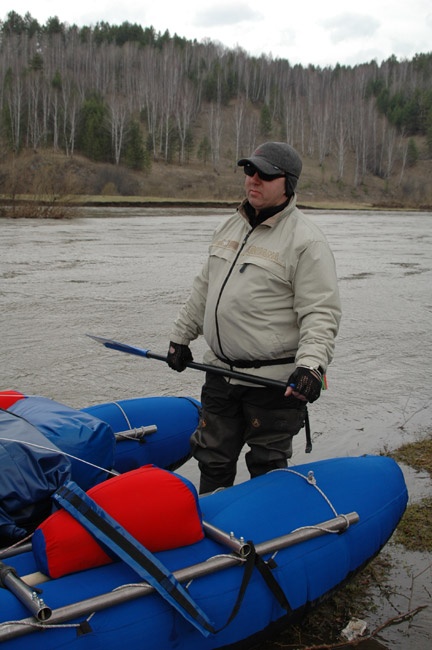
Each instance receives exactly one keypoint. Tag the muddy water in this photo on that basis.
(124, 275)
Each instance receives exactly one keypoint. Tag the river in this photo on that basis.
(123, 274)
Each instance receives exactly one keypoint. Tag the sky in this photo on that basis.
(316, 32)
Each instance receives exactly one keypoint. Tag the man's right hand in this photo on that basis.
(178, 356)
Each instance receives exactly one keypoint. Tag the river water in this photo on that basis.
(123, 274)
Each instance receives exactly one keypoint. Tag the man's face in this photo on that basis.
(265, 194)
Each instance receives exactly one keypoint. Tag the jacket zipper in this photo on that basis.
(230, 270)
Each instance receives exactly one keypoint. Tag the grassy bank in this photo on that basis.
(321, 629)
(415, 529)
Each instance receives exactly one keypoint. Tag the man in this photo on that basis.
(266, 301)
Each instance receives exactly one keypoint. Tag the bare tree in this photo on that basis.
(239, 112)
(35, 130)
(117, 116)
(403, 146)
(70, 103)
(185, 112)
(148, 96)
(14, 99)
(215, 129)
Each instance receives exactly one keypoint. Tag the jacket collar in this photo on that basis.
(269, 216)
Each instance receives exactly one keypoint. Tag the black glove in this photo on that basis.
(306, 381)
(178, 356)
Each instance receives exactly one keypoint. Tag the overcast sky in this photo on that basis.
(319, 32)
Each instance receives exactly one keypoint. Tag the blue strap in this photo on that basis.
(114, 537)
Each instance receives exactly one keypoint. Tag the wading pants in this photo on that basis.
(234, 416)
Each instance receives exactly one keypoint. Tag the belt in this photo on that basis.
(239, 363)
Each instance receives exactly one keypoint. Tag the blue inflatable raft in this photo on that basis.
(255, 558)
(43, 443)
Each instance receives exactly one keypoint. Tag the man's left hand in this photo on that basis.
(304, 384)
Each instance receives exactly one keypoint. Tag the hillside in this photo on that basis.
(56, 178)
(184, 112)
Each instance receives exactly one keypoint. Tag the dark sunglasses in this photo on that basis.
(251, 170)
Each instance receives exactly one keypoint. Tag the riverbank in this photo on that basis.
(53, 180)
(24, 207)
(415, 529)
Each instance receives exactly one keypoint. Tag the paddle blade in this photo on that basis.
(121, 347)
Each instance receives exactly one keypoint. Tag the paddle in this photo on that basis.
(131, 349)
(252, 379)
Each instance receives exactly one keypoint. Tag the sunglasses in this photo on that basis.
(251, 170)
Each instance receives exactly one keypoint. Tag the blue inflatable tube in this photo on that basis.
(176, 418)
(263, 511)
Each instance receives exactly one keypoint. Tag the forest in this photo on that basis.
(126, 95)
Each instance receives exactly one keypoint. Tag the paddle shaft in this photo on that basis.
(216, 370)
(252, 379)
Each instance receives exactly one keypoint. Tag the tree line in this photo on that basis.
(129, 95)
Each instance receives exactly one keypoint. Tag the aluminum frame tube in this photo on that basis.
(130, 592)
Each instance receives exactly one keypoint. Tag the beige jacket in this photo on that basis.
(267, 293)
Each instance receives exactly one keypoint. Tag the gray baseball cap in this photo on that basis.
(274, 159)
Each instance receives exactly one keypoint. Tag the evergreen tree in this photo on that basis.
(412, 153)
(429, 132)
(136, 154)
(189, 142)
(265, 121)
(93, 138)
(204, 150)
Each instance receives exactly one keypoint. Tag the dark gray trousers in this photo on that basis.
(234, 416)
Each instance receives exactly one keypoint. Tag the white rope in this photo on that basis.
(127, 436)
(137, 433)
(310, 478)
(6, 550)
(47, 625)
(130, 585)
(45, 448)
(220, 555)
(228, 555)
(41, 626)
(124, 414)
(18, 543)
